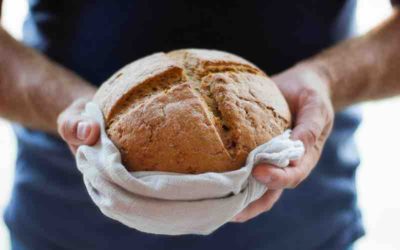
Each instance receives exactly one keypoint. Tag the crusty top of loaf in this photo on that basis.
(191, 111)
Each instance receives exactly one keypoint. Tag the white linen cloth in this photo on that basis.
(172, 203)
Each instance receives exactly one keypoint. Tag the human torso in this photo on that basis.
(95, 38)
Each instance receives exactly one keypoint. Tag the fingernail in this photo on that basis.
(83, 130)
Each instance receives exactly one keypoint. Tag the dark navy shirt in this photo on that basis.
(50, 207)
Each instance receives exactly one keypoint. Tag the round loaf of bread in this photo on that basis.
(190, 111)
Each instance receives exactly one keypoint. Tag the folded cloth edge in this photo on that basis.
(142, 200)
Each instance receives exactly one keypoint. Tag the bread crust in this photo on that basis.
(190, 111)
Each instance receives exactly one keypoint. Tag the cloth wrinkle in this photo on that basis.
(173, 203)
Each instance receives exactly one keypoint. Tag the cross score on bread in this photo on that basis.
(191, 111)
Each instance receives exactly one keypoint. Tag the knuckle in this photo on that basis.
(307, 93)
(300, 176)
(287, 182)
(311, 134)
(318, 146)
(268, 206)
(296, 183)
(328, 113)
(314, 127)
(68, 128)
(281, 178)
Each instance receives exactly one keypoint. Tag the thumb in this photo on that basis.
(77, 130)
(311, 121)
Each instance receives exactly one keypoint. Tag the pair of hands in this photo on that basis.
(308, 95)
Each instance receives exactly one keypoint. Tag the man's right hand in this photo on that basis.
(76, 129)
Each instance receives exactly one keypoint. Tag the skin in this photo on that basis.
(34, 90)
(38, 93)
(360, 69)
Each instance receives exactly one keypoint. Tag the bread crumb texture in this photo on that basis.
(190, 111)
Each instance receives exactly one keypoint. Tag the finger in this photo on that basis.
(77, 130)
(88, 131)
(311, 120)
(259, 206)
(289, 177)
(310, 127)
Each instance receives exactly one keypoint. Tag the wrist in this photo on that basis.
(316, 71)
(319, 70)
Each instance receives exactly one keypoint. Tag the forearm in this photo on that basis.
(34, 90)
(363, 68)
